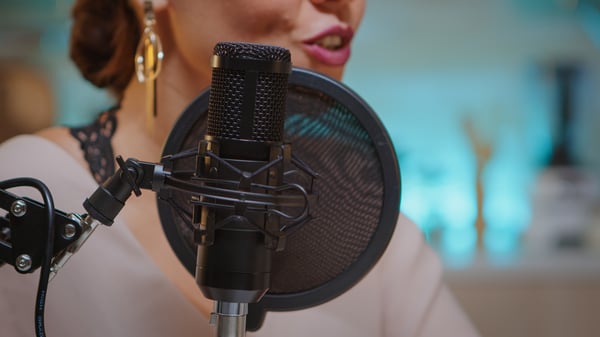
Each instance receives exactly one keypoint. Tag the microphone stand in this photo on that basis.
(22, 239)
(229, 319)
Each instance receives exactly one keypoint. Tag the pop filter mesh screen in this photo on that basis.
(351, 188)
(350, 192)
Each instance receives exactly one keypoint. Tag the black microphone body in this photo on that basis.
(244, 137)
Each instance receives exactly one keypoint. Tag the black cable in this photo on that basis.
(40, 302)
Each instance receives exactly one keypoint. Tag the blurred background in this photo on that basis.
(494, 110)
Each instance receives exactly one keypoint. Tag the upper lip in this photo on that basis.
(346, 33)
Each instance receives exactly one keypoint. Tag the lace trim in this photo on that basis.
(95, 142)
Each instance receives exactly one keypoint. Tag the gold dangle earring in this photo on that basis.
(148, 59)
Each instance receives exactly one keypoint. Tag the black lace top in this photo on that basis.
(95, 142)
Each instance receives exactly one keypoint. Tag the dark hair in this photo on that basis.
(104, 37)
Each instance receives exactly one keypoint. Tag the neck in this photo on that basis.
(179, 82)
(176, 89)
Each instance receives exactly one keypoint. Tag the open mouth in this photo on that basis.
(331, 42)
(331, 46)
(334, 38)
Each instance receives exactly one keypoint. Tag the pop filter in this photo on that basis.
(338, 136)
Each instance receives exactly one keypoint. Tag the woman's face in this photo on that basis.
(318, 33)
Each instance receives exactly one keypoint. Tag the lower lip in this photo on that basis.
(337, 57)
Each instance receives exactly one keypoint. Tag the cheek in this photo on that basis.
(359, 10)
(200, 26)
(258, 20)
(249, 20)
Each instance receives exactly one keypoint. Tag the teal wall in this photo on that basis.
(431, 69)
(446, 78)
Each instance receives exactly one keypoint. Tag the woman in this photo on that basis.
(126, 281)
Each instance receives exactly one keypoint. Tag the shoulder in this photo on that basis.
(62, 137)
(46, 159)
(46, 154)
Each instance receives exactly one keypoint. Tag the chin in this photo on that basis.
(338, 74)
(333, 72)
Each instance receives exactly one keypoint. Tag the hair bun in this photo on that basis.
(104, 36)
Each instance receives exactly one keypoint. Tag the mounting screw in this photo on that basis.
(18, 208)
(70, 231)
(23, 262)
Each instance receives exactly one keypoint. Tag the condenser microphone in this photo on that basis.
(243, 150)
(313, 256)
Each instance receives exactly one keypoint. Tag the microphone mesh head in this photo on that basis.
(252, 51)
(233, 112)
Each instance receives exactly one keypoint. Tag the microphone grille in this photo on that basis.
(252, 51)
(244, 108)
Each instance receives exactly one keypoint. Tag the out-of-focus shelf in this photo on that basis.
(564, 266)
(550, 294)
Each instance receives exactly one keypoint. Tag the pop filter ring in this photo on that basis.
(389, 212)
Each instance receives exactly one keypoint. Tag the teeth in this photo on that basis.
(330, 42)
